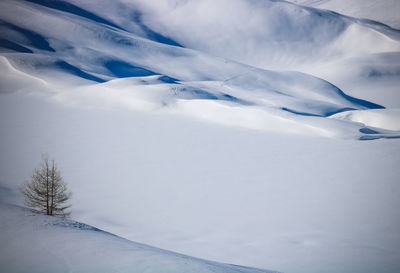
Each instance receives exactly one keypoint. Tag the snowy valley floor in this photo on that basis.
(285, 202)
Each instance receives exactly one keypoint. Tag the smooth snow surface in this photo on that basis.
(268, 200)
(255, 132)
(43, 244)
(385, 11)
(388, 119)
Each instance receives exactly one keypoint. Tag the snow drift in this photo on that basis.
(86, 47)
(39, 243)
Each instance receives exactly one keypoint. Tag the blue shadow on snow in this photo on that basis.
(327, 113)
(123, 69)
(374, 137)
(66, 223)
(150, 34)
(77, 72)
(205, 95)
(71, 8)
(368, 131)
(4, 43)
(167, 79)
(35, 39)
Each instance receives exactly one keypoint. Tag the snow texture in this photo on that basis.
(41, 243)
(254, 132)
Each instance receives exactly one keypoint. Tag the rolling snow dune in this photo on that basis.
(385, 11)
(222, 102)
(388, 119)
(13, 80)
(270, 34)
(280, 35)
(39, 243)
(224, 130)
(106, 51)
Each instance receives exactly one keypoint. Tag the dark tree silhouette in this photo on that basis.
(46, 192)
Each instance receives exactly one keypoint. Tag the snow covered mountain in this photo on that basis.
(385, 11)
(224, 130)
(167, 62)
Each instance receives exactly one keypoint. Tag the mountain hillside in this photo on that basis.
(384, 11)
(264, 133)
(166, 67)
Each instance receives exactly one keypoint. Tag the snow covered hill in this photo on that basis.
(39, 243)
(385, 11)
(131, 59)
(291, 203)
(224, 130)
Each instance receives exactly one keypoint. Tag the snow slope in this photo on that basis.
(270, 34)
(39, 243)
(83, 50)
(268, 200)
(370, 76)
(225, 131)
(385, 11)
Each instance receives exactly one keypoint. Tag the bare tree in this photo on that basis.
(46, 192)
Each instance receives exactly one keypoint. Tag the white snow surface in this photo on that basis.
(388, 119)
(385, 11)
(45, 244)
(224, 130)
(268, 200)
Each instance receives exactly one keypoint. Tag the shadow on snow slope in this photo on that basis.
(77, 72)
(75, 10)
(11, 36)
(122, 69)
(150, 34)
(6, 44)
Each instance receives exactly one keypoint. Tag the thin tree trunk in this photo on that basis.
(47, 187)
(52, 181)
